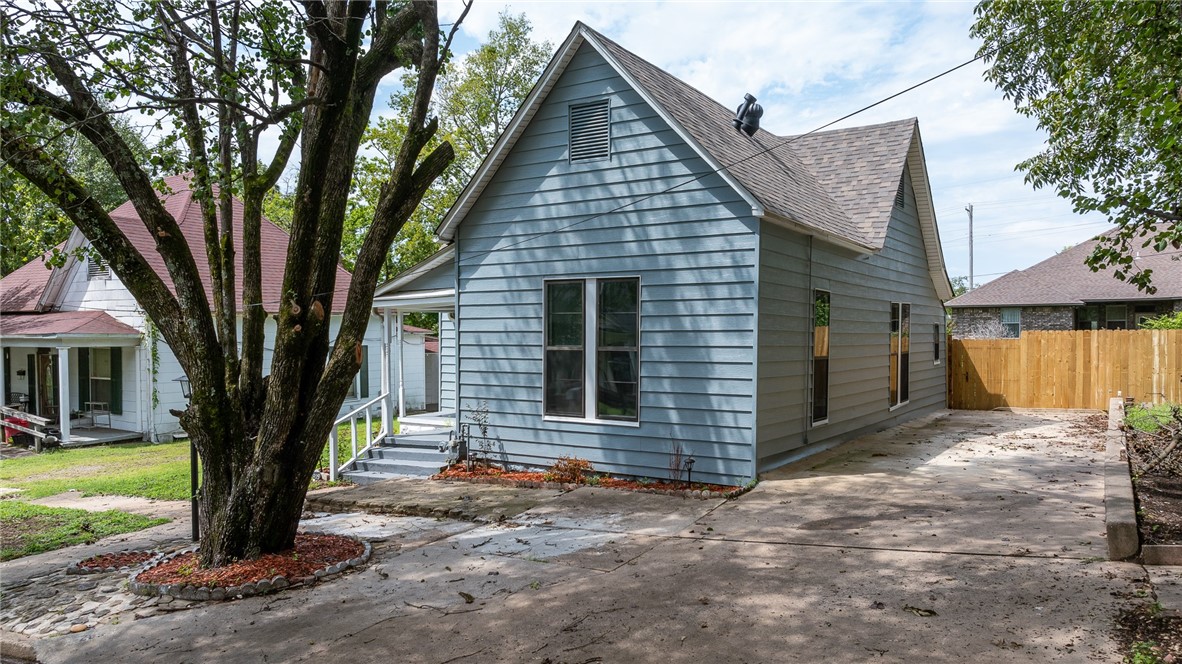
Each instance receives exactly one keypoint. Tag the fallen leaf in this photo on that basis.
(468, 599)
(922, 613)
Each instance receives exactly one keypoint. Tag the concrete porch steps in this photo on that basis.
(409, 455)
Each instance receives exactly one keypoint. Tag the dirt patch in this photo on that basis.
(1147, 635)
(311, 553)
(482, 471)
(16, 533)
(1160, 509)
(116, 560)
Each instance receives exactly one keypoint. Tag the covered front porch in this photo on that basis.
(71, 377)
(429, 287)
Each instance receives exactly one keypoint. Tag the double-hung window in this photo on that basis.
(592, 349)
(1011, 322)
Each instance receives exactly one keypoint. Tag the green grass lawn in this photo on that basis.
(159, 471)
(27, 529)
(1150, 419)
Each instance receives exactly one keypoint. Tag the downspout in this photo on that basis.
(810, 305)
(755, 350)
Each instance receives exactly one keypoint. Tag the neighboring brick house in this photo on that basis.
(1063, 293)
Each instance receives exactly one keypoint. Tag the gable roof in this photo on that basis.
(21, 289)
(32, 280)
(1064, 279)
(837, 185)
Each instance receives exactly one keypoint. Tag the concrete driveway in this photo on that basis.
(965, 536)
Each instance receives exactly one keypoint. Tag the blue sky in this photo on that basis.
(809, 63)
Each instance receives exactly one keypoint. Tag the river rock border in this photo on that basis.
(156, 559)
(261, 587)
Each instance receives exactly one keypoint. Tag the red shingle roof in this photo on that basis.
(20, 290)
(58, 323)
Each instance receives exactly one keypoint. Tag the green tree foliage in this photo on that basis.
(1104, 80)
(30, 223)
(1164, 322)
(475, 99)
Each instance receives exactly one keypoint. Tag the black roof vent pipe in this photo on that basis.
(747, 116)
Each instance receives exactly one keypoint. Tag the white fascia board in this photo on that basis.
(436, 300)
(921, 186)
(756, 206)
(71, 340)
(435, 260)
(59, 277)
(508, 138)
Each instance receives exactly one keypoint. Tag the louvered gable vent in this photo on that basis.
(590, 131)
(97, 268)
(900, 198)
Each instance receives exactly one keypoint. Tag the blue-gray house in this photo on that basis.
(627, 272)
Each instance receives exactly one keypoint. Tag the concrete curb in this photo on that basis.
(1161, 554)
(1120, 512)
(16, 648)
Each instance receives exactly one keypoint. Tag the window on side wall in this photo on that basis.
(1011, 322)
(937, 339)
(359, 388)
(900, 354)
(821, 337)
(592, 349)
(1116, 316)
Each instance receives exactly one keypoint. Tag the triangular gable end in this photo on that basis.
(580, 35)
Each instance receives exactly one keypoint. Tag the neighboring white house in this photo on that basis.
(74, 335)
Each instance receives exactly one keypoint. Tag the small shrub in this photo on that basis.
(1144, 652)
(569, 470)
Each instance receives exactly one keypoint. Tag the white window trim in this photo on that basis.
(590, 351)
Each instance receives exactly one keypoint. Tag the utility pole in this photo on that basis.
(969, 208)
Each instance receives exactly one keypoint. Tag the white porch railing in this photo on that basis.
(364, 411)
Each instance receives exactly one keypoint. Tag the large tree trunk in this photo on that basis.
(259, 437)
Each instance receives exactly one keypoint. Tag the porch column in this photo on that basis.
(387, 403)
(63, 391)
(3, 378)
(401, 383)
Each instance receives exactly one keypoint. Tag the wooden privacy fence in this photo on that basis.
(1080, 369)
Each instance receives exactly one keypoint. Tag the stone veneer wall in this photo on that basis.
(976, 323)
(1048, 318)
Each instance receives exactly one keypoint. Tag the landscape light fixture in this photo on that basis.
(186, 387)
(747, 116)
(187, 392)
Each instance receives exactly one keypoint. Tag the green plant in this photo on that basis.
(569, 470)
(594, 480)
(1144, 652)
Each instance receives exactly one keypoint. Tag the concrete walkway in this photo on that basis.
(967, 536)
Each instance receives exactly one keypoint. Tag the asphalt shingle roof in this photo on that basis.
(1065, 279)
(85, 323)
(841, 182)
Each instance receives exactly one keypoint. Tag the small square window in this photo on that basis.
(1011, 322)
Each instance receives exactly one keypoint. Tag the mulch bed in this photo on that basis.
(481, 472)
(116, 560)
(1160, 513)
(311, 553)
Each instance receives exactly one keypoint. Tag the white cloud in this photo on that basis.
(810, 63)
